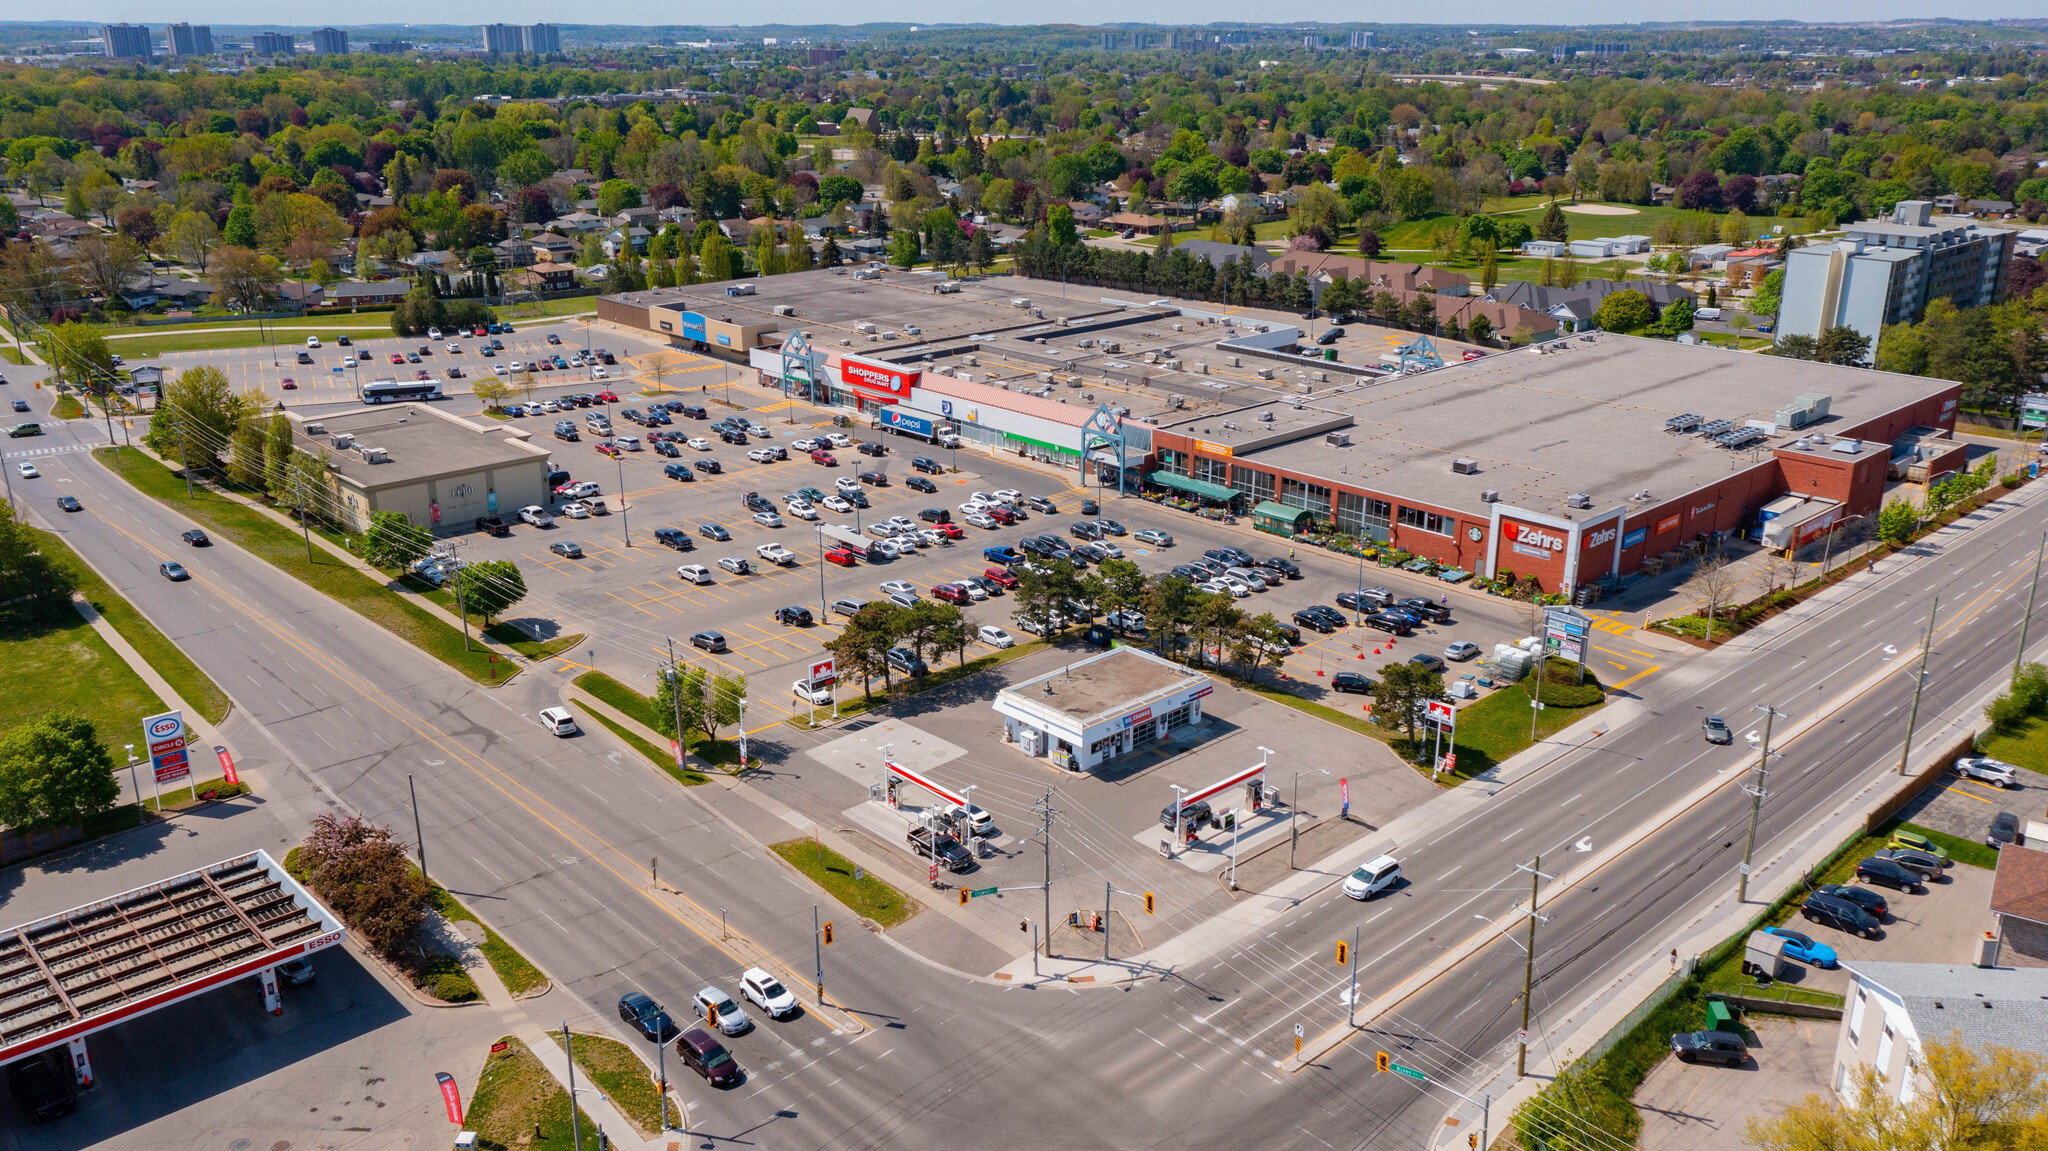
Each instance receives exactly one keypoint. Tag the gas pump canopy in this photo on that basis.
(68, 975)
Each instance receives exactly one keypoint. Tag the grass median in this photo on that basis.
(624, 1078)
(282, 548)
(518, 1104)
(634, 705)
(62, 665)
(518, 975)
(193, 686)
(865, 895)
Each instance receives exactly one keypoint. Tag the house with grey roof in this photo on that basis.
(1573, 307)
(1219, 254)
(1895, 1009)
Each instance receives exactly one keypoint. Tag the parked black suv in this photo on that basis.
(1194, 814)
(1712, 1046)
(1393, 623)
(1283, 566)
(1888, 874)
(695, 412)
(921, 484)
(676, 538)
(936, 515)
(1840, 914)
(793, 616)
(1350, 681)
(1232, 557)
(43, 1090)
(755, 503)
(492, 525)
(1084, 530)
(927, 465)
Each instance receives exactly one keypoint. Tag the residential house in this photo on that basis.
(303, 293)
(1143, 225)
(1662, 194)
(515, 253)
(580, 222)
(1220, 254)
(1989, 207)
(549, 246)
(545, 276)
(739, 230)
(680, 214)
(824, 129)
(1948, 203)
(1088, 215)
(645, 217)
(351, 293)
(437, 260)
(1708, 256)
(617, 240)
(2019, 906)
(865, 117)
(1574, 307)
(1895, 1009)
(1631, 245)
(1400, 278)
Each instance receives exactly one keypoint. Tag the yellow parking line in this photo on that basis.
(1651, 670)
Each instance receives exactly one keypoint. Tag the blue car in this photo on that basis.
(1803, 948)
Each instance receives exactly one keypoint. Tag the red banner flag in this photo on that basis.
(450, 1095)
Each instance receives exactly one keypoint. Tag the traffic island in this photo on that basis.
(519, 1104)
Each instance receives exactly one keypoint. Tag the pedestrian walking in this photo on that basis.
(1290, 553)
(1674, 961)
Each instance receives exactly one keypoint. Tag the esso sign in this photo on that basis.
(874, 376)
(166, 726)
(1537, 537)
(1602, 536)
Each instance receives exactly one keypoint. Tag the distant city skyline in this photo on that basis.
(630, 13)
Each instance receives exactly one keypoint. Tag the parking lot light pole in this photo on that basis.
(1294, 810)
(134, 783)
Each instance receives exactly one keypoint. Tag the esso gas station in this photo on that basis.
(65, 976)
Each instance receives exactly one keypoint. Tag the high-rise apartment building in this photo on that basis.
(330, 42)
(272, 44)
(1365, 39)
(541, 39)
(825, 57)
(501, 39)
(1888, 271)
(189, 39)
(127, 42)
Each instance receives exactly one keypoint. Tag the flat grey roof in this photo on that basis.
(419, 441)
(1106, 682)
(1587, 416)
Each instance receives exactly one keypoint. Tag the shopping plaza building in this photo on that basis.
(1576, 461)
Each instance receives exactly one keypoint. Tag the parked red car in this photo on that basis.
(1000, 576)
(396, 358)
(825, 458)
(950, 531)
(951, 594)
(1001, 515)
(607, 398)
(844, 557)
(608, 448)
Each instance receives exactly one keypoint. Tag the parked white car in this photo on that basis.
(537, 516)
(575, 510)
(814, 697)
(694, 574)
(802, 511)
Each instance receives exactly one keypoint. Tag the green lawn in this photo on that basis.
(519, 1105)
(622, 698)
(136, 347)
(2027, 747)
(64, 666)
(655, 755)
(67, 408)
(866, 896)
(570, 306)
(534, 649)
(621, 1074)
(1497, 727)
(283, 549)
(519, 976)
(170, 661)
(13, 355)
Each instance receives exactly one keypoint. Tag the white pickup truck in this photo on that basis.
(776, 554)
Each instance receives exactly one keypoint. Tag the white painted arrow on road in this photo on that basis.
(1584, 844)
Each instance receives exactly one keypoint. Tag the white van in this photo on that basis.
(558, 721)
(1706, 313)
(1372, 877)
(627, 443)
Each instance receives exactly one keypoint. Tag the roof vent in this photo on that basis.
(1642, 497)
(1266, 417)
(1338, 439)
(1489, 497)
(1578, 500)
(1848, 445)
(343, 441)
(1465, 467)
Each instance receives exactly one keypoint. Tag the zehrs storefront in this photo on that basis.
(1564, 554)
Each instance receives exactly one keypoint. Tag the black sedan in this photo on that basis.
(1315, 621)
(1355, 601)
(1862, 897)
(1352, 682)
(647, 1017)
(196, 538)
(69, 503)
(1283, 566)
(1888, 874)
(710, 467)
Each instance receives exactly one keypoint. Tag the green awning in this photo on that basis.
(1282, 512)
(1069, 449)
(1194, 487)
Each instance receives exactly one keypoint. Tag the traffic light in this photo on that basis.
(1148, 903)
(1343, 952)
(1382, 1060)
(963, 897)
(1472, 1141)
(828, 942)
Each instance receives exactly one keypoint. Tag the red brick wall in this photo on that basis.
(1858, 483)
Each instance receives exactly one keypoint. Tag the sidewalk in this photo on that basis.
(200, 732)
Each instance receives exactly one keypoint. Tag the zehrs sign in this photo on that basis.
(1533, 541)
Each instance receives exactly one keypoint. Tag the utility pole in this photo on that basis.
(1106, 889)
(2020, 655)
(1756, 803)
(299, 492)
(1528, 972)
(462, 602)
(1351, 1015)
(818, 952)
(418, 838)
(1919, 681)
(1044, 807)
(183, 464)
(575, 1124)
(675, 695)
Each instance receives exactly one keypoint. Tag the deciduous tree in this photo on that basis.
(54, 772)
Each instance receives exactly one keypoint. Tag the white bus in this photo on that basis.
(390, 391)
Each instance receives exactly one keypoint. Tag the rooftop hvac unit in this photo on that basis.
(1020, 302)
(1202, 368)
(865, 326)
(1045, 377)
(1111, 346)
(376, 456)
(316, 429)
(1266, 417)
(343, 441)
(1173, 401)
(1172, 365)
(1296, 401)
(1180, 327)
(1578, 500)
(1233, 361)
(1489, 497)
(971, 361)
(1848, 446)
(1265, 373)
(1338, 439)
(1228, 427)
(1684, 423)
(784, 310)
(1642, 497)
(1465, 467)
